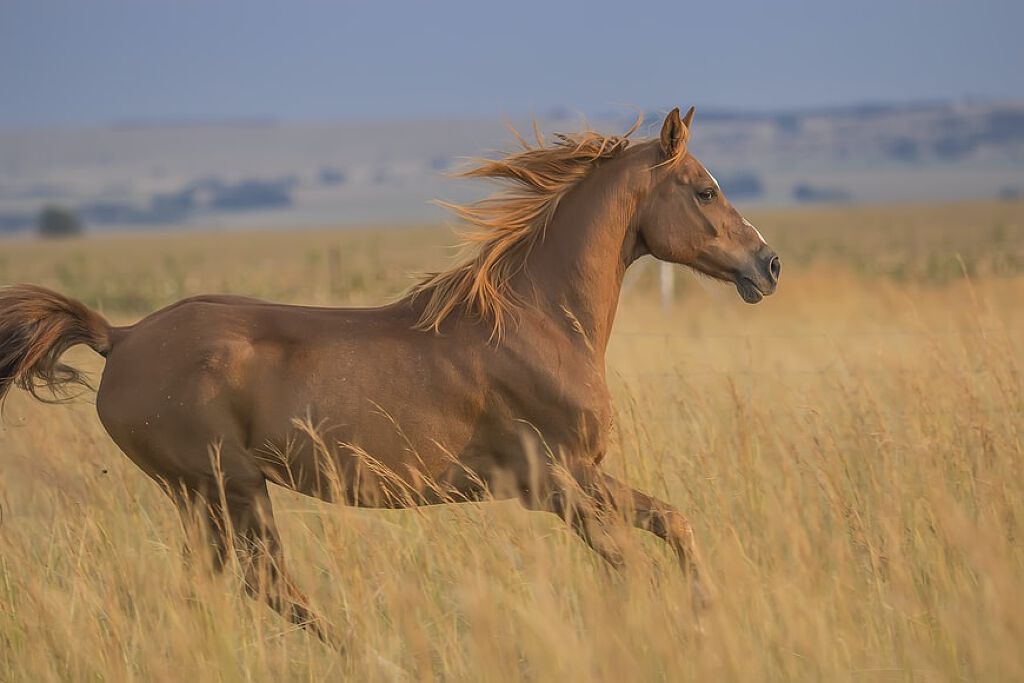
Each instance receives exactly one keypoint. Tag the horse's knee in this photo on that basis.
(678, 527)
(674, 528)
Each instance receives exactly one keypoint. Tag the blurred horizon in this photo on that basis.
(190, 114)
(558, 113)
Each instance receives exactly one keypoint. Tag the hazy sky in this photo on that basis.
(101, 61)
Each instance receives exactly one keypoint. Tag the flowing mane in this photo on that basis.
(501, 229)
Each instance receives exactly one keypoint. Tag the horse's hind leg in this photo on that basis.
(203, 538)
(199, 458)
(244, 520)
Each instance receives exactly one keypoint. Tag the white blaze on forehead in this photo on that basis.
(756, 231)
(713, 179)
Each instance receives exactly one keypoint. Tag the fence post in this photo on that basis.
(668, 285)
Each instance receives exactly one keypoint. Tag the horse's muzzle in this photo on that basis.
(761, 278)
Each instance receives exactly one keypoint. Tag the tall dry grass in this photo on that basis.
(849, 452)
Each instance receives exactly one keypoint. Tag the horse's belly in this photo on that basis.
(385, 448)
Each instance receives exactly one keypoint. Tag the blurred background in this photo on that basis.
(181, 114)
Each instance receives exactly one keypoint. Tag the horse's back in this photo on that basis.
(204, 348)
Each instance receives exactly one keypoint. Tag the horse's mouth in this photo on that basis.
(748, 290)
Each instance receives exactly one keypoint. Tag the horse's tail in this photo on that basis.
(37, 326)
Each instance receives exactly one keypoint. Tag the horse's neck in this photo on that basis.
(576, 271)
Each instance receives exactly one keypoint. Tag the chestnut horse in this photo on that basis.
(486, 381)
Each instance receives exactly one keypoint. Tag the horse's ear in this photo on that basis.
(673, 133)
(688, 119)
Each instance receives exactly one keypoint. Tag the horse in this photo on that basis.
(485, 381)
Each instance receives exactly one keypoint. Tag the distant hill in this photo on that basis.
(262, 173)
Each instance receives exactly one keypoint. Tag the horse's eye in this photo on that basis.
(707, 195)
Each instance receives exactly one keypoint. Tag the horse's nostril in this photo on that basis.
(775, 267)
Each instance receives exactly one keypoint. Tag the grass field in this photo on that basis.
(850, 452)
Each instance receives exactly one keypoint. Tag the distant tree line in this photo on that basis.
(210, 194)
(957, 139)
(742, 185)
(57, 221)
(807, 193)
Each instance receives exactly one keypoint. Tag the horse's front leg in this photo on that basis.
(594, 504)
(666, 522)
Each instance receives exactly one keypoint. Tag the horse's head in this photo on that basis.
(685, 218)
